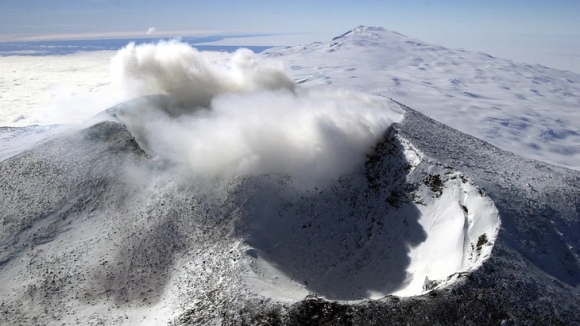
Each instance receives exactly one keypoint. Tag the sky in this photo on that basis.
(534, 31)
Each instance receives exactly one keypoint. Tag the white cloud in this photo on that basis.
(192, 77)
(244, 115)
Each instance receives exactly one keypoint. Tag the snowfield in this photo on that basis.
(528, 110)
(231, 193)
(55, 89)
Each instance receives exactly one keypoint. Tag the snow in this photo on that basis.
(530, 110)
(55, 89)
(448, 244)
(101, 225)
(14, 141)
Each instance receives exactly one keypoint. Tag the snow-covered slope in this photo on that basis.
(13, 141)
(406, 222)
(95, 231)
(99, 228)
(530, 110)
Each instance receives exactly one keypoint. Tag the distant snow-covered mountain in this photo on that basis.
(530, 110)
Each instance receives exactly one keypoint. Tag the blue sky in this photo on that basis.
(499, 27)
(445, 16)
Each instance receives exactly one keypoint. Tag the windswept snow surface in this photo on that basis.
(113, 236)
(14, 141)
(530, 110)
(252, 200)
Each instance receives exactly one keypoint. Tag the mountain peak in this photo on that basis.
(367, 31)
(362, 28)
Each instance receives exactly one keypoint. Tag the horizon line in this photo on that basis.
(136, 35)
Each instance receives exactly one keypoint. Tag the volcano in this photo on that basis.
(292, 204)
